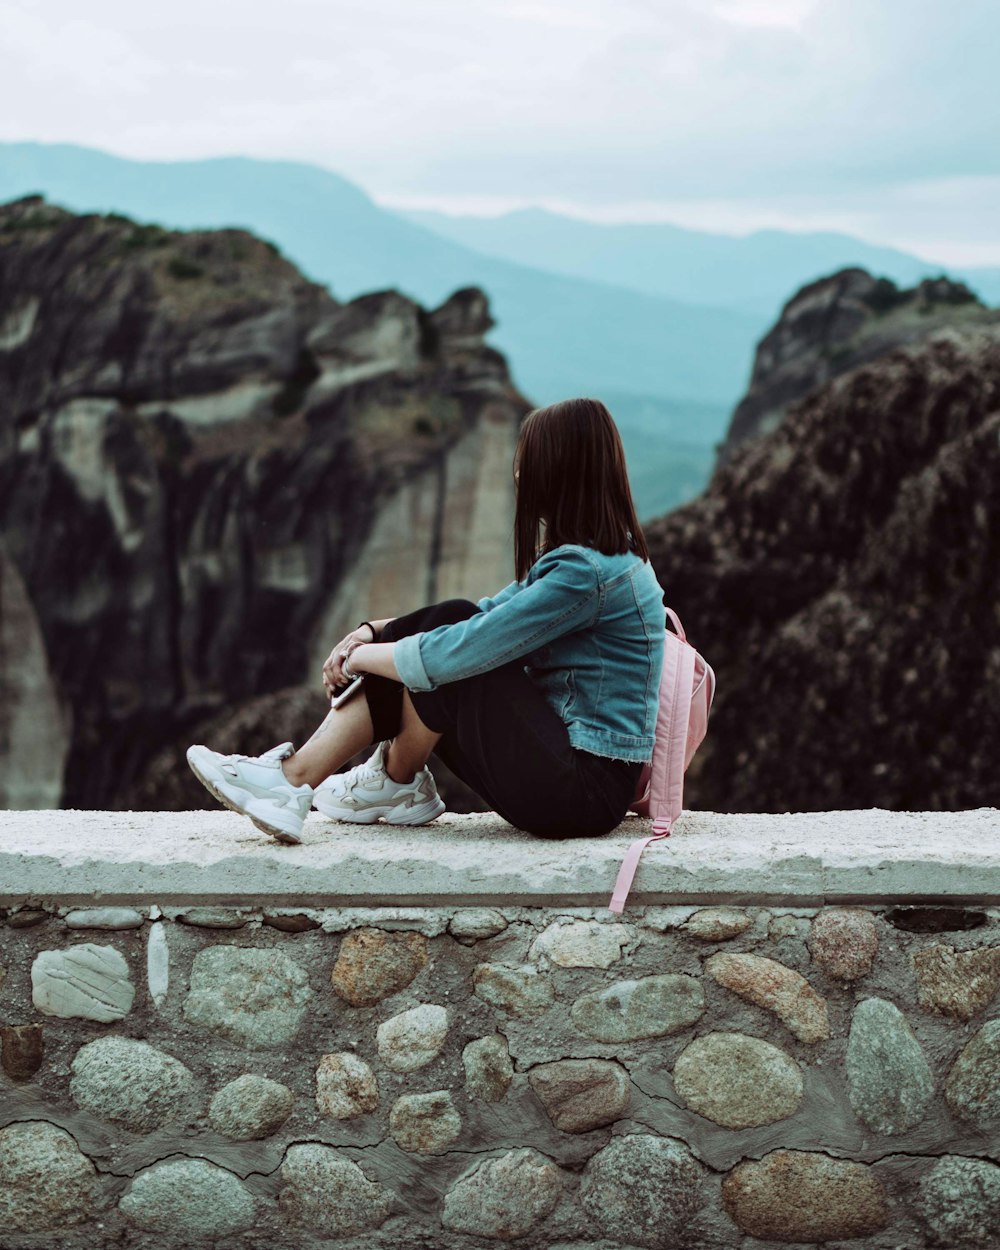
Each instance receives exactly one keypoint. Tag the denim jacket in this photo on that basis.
(591, 628)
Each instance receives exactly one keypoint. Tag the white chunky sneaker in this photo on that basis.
(367, 792)
(255, 786)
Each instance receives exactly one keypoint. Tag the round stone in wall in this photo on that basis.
(103, 918)
(843, 942)
(87, 981)
(643, 1190)
(628, 1011)
(188, 1196)
(372, 964)
(130, 1083)
(247, 995)
(488, 1069)
(413, 1038)
(717, 924)
(581, 943)
(775, 987)
(328, 1194)
(474, 924)
(889, 1081)
(957, 983)
(425, 1123)
(959, 1202)
(22, 1047)
(345, 1086)
(973, 1085)
(738, 1081)
(505, 1197)
(46, 1181)
(250, 1107)
(581, 1094)
(796, 1195)
(518, 989)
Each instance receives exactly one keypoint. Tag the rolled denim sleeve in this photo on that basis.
(563, 595)
(409, 665)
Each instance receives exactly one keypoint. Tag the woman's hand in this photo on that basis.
(334, 677)
(375, 657)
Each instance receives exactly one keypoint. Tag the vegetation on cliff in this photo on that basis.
(842, 573)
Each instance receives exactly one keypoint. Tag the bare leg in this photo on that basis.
(412, 745)
(348, 730)
(345, 731)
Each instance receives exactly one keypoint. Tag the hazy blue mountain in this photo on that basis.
(562, 335)
(664, 460)
(754, 273)
(659, 321)
(985, 281)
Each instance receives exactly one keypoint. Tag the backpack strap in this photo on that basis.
(623, 882)
(678, 627)
(666, 782)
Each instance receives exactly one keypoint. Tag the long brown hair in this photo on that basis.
(569, 465)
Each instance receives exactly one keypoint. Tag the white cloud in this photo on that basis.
(76, 53)
(789, 14)
(729, 112)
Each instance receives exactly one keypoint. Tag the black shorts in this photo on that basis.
(506, 742)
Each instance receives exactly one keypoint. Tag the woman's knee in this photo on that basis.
(456, 609)
(447, 612)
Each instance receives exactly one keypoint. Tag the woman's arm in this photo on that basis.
(374, 657)
(492, 601)
(564, 596)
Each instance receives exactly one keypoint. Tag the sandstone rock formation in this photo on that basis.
(209, 470)
(842, 575)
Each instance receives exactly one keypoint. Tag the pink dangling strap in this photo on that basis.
(623, 882)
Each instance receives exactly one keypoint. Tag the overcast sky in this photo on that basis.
(877, 117)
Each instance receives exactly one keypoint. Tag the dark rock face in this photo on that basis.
(834, 325)
(842, 575)
(197, 446)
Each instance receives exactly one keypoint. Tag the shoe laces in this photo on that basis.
(374, 770)
(371, 770)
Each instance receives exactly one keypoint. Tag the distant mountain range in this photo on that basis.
(658, 321)
(753, 273)
(563, 335)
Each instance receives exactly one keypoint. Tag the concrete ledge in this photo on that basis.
(795, 859)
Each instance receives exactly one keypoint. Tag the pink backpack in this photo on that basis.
(687, 689)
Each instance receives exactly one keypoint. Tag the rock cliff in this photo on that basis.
(832, 326)
(210, 469)
(842, 574)
(34, 730)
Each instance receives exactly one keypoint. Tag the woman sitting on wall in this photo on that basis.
(542, 697)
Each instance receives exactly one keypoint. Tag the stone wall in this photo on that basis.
(258, 1061)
